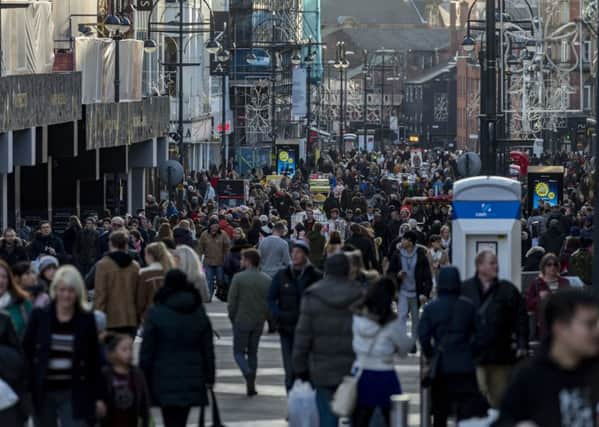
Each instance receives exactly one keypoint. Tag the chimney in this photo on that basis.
(464, 7)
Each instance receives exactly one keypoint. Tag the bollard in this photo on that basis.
(425, 399)
(400, 409)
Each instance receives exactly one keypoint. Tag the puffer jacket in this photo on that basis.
(454, 318)
(375, 345)
(323, 337)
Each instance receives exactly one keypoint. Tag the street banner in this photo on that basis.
(545, 183)
(298, 94)
(286, 160)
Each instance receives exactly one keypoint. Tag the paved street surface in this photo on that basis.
(268, 409)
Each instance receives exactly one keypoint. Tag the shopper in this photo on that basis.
(248, 311)
(14, 300)
(177, 351)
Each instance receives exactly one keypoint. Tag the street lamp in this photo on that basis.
(308, 61)
(117, 27)
(341, 64)
(296, 59)
(468, 44)
(150, 46)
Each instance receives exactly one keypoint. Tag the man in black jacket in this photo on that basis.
(409, 265)
(560, 386)
(284, 300)
(501, 317)
(46, 243)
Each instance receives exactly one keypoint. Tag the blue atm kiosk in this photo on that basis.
(486, 216)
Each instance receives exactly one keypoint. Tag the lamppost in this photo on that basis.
(223, 56)
(383, 53)
(392, 111)
(341, 64)
(117, 28)
(365, 100)
(595, 277)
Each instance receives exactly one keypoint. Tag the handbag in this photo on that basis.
(432, 372)
(222, 291)
(346, 395)
(216, 421)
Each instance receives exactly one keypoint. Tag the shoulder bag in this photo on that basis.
(346, 395)
(216, 421)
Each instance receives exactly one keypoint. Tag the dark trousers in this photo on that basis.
(246, 339)
(457, 394)
(363, 415)
(175, 416)
(286, 352)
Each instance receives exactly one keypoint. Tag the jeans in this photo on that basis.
(214, 273)
(246, 339)
(175, 416)
(286, 351)
(57, 407)
(409, 305)
(324, 395)
(492, 382)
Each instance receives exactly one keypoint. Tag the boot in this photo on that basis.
(250, 382)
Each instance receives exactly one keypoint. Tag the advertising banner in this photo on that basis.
(545, 183)
(286, 160)
(298, 94)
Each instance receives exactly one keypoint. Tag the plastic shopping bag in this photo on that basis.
(480, 422)
(301, 405)
(8, 397)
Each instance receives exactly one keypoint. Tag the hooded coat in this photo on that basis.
(177, 351)
(115, 285)
(553, 239)
(454, 318)
(323, 337)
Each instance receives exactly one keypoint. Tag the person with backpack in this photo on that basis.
(447, 336)
(581, 261)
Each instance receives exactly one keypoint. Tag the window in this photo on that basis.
(586, 51)
(587, 97)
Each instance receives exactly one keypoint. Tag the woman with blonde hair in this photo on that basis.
(188, 262)
(151, 278)
(165, 233)
(61, 348)
(333, 244)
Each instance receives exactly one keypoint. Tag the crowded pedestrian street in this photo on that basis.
(299, 213)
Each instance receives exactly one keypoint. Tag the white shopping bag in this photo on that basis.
(301, 405)
(481, 422)
(8, 397)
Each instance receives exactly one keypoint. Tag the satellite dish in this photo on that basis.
(171, 172)
(469, 164)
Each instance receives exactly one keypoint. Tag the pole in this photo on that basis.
(382, 99)
(1, 54)
(482, 135)
(365, 100)
(341, 118)
(308, 113)
(273, 112)
(491, 66)
(223, 133)
(180, 91)
(117, 67)
(596, 184)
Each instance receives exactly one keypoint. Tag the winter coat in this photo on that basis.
(70, 238)
(183, 236)
(366, 246)
(323, 337)
(285, 294)
(140, 391)
(454, 318)
(19, 312)
(375, 345)
(423, 275)
(233, 258)
(552, 240)
(177, 351)
(317, 243)
(214, 248)
(502, 319)
(15, 253)
(40, 243)
(12, 363)
(150, 279)
(116, 289)
(247, 299)
(86, 385)
(86, 249)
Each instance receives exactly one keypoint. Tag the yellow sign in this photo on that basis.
(413, 138)
(542, 189)
(283, 156)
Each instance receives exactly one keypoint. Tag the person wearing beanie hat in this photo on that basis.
(301, 244)
(47, 261)
(177, 351)
(323, 351)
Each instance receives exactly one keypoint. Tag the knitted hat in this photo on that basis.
(337, 265)
(300, 244)
(47, 261)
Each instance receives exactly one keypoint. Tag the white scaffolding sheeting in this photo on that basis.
(27, 39)
(94, 57)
